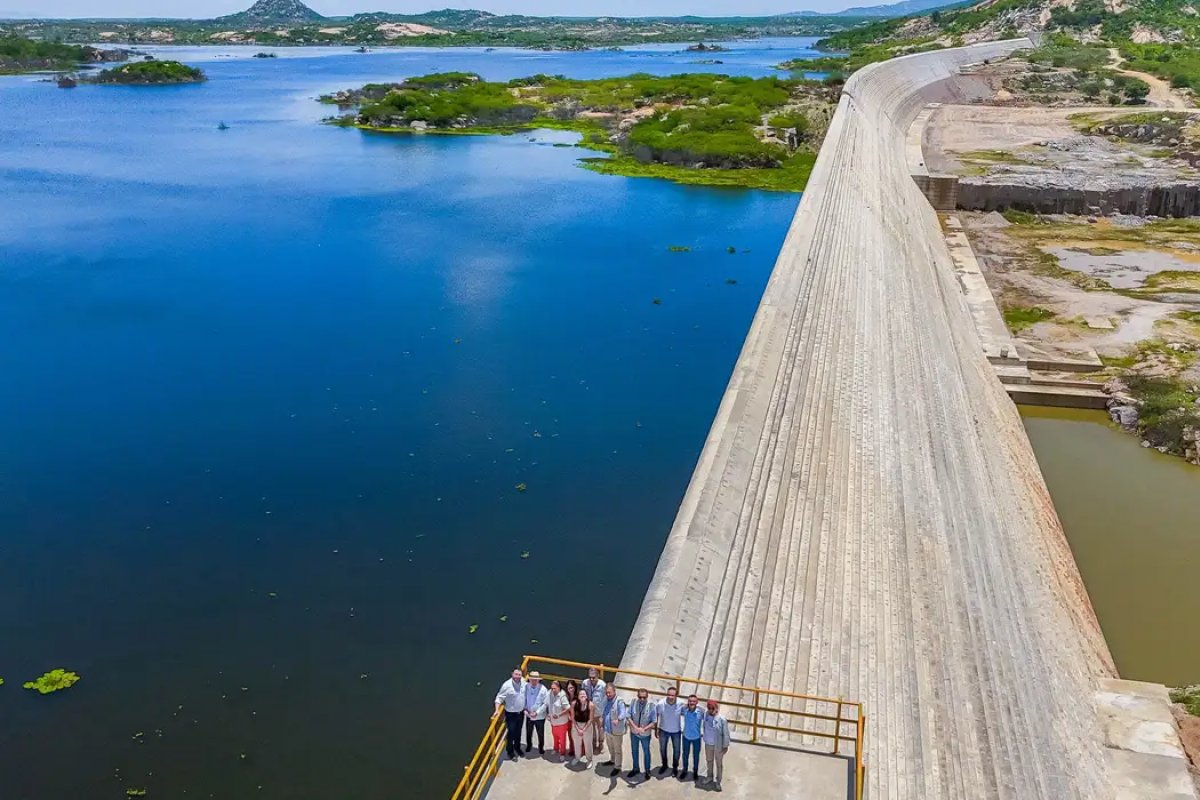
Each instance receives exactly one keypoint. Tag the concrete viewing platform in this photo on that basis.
(752, 772)
(867, 521)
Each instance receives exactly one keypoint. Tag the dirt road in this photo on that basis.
(1161, 94)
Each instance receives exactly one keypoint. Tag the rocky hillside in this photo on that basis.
(1118, 21)
(272, 13)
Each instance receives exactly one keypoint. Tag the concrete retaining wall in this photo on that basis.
(867, 518)
(1179, 200)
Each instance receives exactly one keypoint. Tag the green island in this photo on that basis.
(149, 73)
(712, 130)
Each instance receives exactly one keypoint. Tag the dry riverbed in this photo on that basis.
(1127, 288)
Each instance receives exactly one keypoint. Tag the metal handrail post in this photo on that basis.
(754, 723)
(837, 740)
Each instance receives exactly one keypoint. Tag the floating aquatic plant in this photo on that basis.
(504, 618)
(472, 629)
(658, 301)
(53, 681)
(731, 281)
(135, 792)
(520, 487)
(524, 554)
(731, 249)
(679, 248)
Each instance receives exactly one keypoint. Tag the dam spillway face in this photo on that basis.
(867, 519)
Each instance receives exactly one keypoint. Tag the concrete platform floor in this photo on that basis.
(752, 772)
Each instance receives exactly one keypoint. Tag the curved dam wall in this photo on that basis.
(867, 519)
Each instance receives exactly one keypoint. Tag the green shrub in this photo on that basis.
(1019, 318)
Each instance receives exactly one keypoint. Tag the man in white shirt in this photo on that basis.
(511, 698)
(536, 701)
(670, 729)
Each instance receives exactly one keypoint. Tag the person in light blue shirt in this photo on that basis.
(643, 716)
(511, 700)
(693, 720)
(616, 722)
(716, 742)
(594, 688)
(537, 701)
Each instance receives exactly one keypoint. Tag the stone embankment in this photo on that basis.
(867, 519)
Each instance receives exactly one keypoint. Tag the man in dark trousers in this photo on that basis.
(537, 701)
(511, 698)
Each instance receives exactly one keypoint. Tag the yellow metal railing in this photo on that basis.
(840, 714)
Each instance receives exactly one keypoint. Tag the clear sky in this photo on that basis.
(213, 8)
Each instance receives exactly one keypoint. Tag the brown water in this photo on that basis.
(1132, 516)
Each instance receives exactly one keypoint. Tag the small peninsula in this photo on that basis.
(713, 130)
(18, 54)
(149, 73)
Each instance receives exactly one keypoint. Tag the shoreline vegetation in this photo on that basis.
(702, 129)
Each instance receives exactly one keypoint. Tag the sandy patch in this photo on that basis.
(400, 30)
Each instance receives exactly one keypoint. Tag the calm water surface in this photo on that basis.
(1133, 519)
(267, 396)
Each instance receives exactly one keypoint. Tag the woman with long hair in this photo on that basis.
(572, 688)
(582, 713)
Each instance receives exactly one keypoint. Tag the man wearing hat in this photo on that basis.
(716, 742)
(537, 700)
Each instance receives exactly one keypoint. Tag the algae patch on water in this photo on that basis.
(53, 681)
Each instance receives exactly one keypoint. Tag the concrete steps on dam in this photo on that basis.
(1029, 376)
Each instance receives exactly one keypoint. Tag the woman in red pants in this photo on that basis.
(558, 711)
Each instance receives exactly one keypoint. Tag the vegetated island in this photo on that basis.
(703, 129)
(149, 73)
(18, 55)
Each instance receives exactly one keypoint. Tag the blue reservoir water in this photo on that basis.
(267, 397)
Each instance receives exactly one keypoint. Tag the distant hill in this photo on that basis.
(902, 9)
(269, 13)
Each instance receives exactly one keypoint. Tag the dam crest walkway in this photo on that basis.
(867, 519)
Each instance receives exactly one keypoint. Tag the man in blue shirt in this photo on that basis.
(511, 698)
(716, 743)
(616, 719)
(643, 715)
(693, 719)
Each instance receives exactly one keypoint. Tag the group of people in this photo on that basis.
(587, 717)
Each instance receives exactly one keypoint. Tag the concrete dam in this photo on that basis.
(867, 519)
